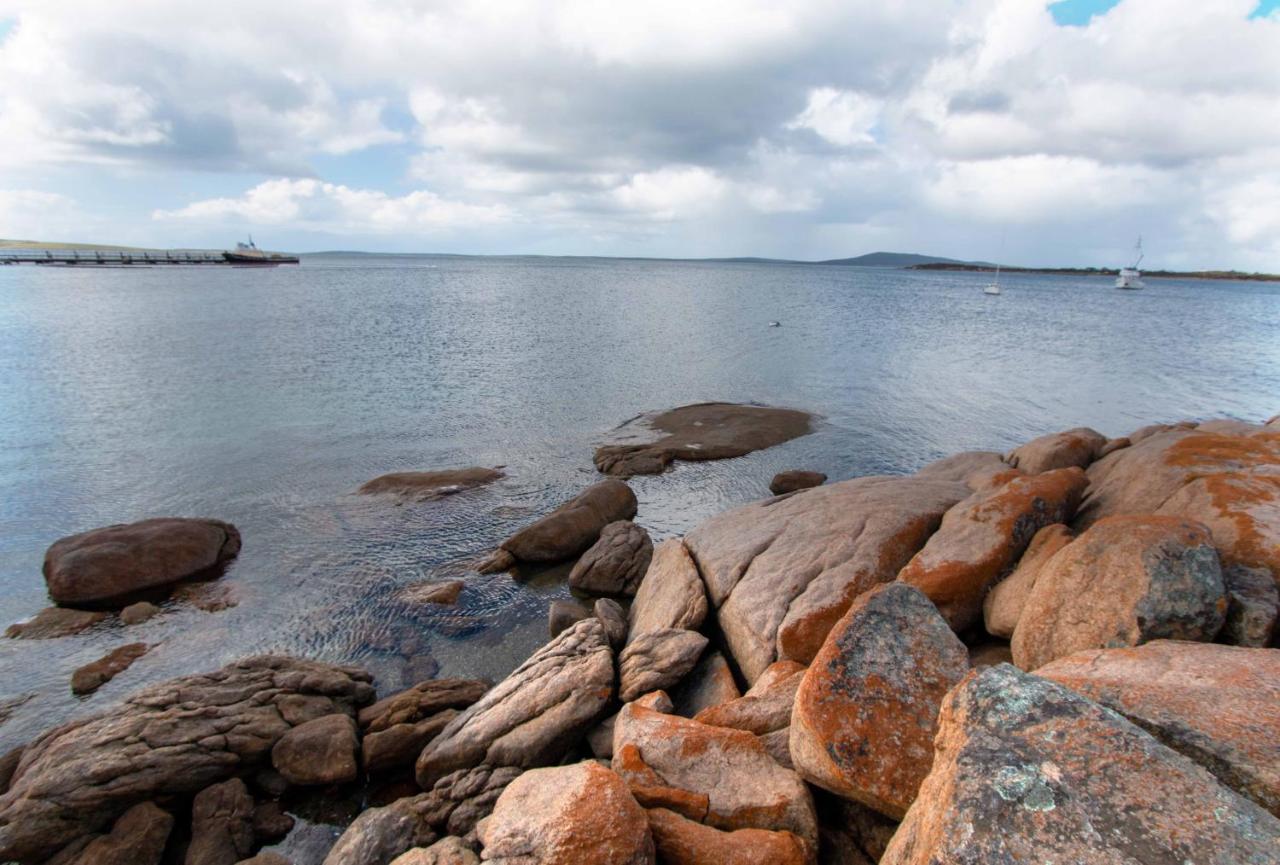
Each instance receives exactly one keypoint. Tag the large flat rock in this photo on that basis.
(704, 431)
(1026, 770)
(782, 571)
(425, 486)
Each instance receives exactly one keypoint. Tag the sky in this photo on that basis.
(1017, 130)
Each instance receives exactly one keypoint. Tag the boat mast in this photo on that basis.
(1138, 247)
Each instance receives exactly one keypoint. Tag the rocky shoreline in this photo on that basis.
(1067, 653)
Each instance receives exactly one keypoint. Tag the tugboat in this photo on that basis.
(1131, 277)
(248, 253)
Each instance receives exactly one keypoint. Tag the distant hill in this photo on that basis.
(893, 259)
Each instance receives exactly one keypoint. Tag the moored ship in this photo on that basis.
(248, 253)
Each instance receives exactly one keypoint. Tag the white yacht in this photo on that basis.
(994, 286)
(1131, 277)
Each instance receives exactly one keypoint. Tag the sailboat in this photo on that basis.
(994, 286)
(1131, 277)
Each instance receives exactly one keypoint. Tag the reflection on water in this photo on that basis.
(266, 397)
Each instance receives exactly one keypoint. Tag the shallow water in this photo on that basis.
(265, 397)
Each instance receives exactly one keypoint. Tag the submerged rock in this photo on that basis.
(103, 565)
(424, 486)
(441, 592)
(53, 622)
(616, 562)
(171, 739)
(92, 676)
(568, 530)
(1125, 581)
(781, 572)
(795, 480)
(136, 614)
(704, 431)
(981, 538)
(568, 815)
(1218, 705)
(534, 715)
(1025, 770)
(866, 710)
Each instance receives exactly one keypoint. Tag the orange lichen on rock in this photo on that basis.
(983, 536)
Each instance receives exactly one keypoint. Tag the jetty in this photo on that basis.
(244, 255)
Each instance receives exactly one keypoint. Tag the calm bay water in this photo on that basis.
(265, 397)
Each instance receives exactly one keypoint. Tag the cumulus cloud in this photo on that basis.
(817, 127)
(339, 209)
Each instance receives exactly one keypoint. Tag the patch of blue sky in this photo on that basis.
(1078, 13)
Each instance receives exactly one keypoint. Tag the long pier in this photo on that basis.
(104, 258)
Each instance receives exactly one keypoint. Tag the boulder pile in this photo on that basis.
(818, 677)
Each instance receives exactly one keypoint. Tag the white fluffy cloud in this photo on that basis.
(818, 127)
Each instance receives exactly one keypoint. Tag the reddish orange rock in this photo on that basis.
(1027, 771)
(1075, 447)
(683, 842)
(1003, 605)
(567, 815)
(1228, 482)
(866, 710)
(766, 707)
(1124, 582)
(781, 572)
(1218, 705)
(744, 786)
(983, 536)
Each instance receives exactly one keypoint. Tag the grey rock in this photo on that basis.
(616, 562)
(657, 660)
(1253, 604)
(534, 715)
(171, 739)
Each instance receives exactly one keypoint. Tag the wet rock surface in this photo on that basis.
(426, 486)
(92, 676)
(221, 825)
(1125, 581)
(780, 573)
(795, 480)
(568, 530)
(1218, 705)
(53, 622)
(99, 567)
(1017, 774)
(704, 431)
